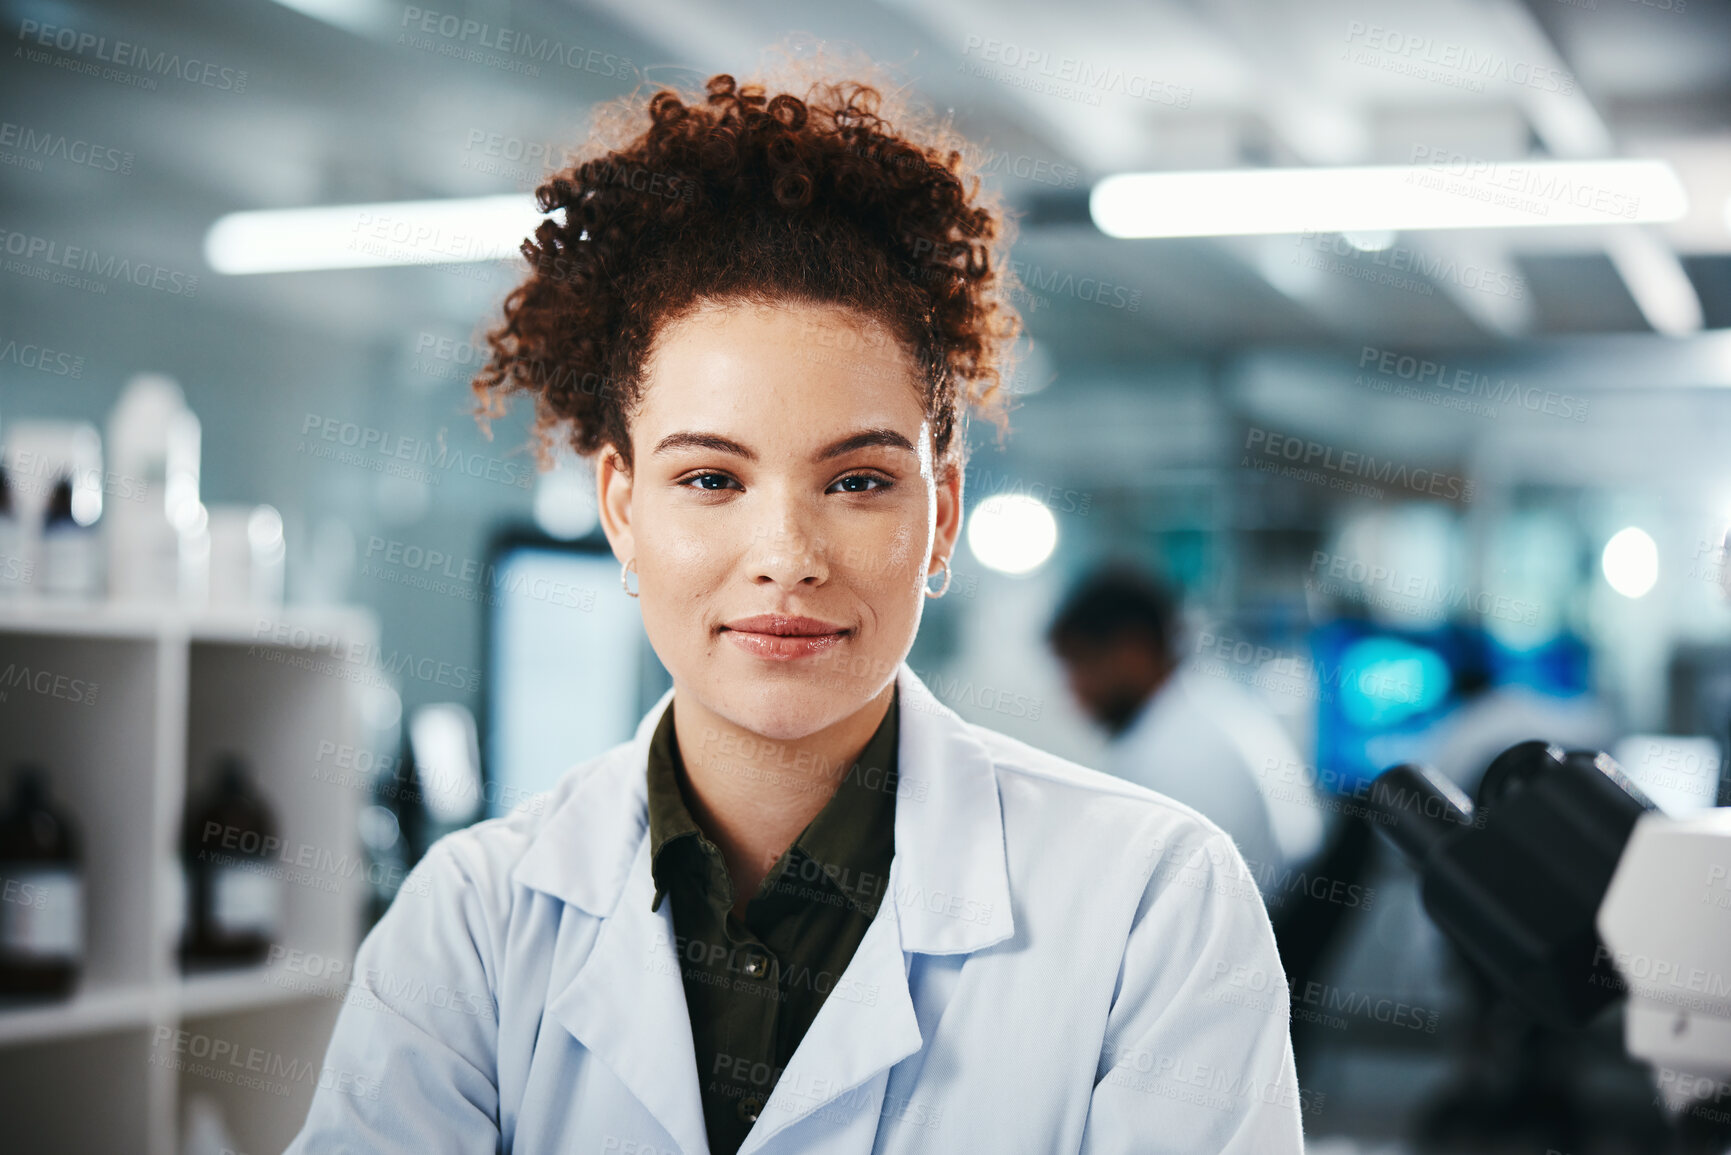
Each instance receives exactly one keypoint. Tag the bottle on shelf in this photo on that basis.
(71, 548)
(158, 545)
(41, 893)
(234, 902)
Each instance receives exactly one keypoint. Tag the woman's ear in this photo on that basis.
(613, 502)
(949, 519)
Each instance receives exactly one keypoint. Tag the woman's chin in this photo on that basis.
(784, 710)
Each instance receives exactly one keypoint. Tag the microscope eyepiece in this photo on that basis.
(1515, 767)
(1415, 808)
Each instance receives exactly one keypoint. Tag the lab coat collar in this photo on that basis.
(950, 881)
(950, 878)
(624, 1001)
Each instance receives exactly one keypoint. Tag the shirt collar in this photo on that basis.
(670, 820)
(949, 881)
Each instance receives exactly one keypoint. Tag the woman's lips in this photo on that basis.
(781, 638)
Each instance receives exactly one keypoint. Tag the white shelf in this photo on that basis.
(250, 989)
(138, 621)
(101, 1010)
(143, 702)
(86, 1013)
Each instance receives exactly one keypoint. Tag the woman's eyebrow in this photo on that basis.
(716, 442)
(881, 436)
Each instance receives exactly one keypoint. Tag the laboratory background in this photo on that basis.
(1370, 420)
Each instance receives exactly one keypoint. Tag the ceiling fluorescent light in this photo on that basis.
(362, 17)
(373, 235)
(1457, 193)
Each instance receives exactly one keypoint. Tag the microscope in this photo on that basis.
(1569, 889)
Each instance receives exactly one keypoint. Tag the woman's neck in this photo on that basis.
(751, 795)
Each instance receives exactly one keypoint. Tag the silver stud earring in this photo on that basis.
(622, 582)
(943, 589)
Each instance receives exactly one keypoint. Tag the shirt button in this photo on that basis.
(756, 966)
(749, 1107)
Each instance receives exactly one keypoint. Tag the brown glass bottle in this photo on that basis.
(41, 893)
(234, 884)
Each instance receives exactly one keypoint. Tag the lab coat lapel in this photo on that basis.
(625, 1002)
(627, 1006)
(865, 1026)
(948, 893)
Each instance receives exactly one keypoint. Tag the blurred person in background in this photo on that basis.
(1198, 739)
(1203, 740)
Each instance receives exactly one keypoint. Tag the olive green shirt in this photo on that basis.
(753, 988)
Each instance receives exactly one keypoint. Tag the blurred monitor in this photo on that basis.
(1382, 691)
(569, 669)
(1560, 667)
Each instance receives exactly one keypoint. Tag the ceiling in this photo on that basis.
(355, 103)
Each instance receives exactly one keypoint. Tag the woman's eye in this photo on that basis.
(848, 486)
(696, 482)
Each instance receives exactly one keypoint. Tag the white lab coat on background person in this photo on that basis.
(1062, 963)
(1207, 742)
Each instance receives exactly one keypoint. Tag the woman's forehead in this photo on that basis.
(794, 365)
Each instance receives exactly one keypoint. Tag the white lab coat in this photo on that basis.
(1064, 963)
(1206, 742)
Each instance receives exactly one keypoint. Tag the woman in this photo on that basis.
(807, 907)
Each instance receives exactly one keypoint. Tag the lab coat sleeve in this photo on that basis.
(1197, 1054)
(411, 1064)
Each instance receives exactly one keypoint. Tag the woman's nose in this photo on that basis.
(788, 550)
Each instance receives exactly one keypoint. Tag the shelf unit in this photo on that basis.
(135, 699)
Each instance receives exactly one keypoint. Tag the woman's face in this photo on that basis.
(782, 469)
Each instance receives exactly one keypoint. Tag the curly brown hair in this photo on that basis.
(740, 195)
